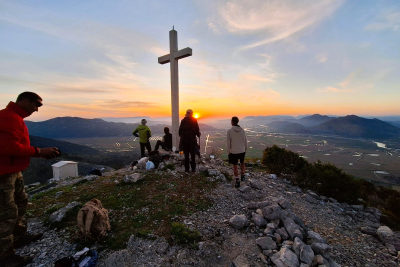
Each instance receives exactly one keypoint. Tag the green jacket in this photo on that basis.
(144, 133)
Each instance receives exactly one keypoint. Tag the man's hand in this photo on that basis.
(49, 152)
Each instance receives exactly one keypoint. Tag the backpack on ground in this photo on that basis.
(154, 156)
(93, 220)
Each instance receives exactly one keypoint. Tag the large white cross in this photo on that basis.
(173, 58)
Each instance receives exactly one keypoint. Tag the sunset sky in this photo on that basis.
(250, 57)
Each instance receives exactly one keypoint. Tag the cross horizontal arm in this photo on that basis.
(185, 52)
(164, 59)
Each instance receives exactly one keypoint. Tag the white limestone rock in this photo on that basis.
(58, 215)
(133, 178)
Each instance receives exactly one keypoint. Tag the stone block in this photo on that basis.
(272, 212)
(292, 228)
(258, 220)
(266, 243)
(321, 249)
(238, 221)
(133, 178)
(285, 258)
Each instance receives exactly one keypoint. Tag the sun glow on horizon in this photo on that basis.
(196, 115)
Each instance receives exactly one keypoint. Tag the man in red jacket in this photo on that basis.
(15, 153)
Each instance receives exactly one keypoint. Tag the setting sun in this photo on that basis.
(196, 115)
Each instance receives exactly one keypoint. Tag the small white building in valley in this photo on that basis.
(65, 169)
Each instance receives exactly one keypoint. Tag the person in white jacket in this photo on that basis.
(236, 146)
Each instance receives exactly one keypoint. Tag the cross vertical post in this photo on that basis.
(173, 58)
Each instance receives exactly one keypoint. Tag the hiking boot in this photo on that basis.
(26, 239)
(237, 184)
(242, 178)
(16, 261)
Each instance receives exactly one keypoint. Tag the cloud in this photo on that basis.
(321, 58)
(277, 20)
(355, 82)
(212, 27)
(193, 41)
(98, 35)
(253, 77)
(105, 106)
(158, 51)
(387, 19)
(330, 89)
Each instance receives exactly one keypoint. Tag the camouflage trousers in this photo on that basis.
(13, 203)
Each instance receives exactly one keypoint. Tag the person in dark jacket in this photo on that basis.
(188, 130)
(166, 143)
(144, 136)
(15, 154)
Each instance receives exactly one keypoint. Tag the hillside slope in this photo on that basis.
(233, 231)
(354, 126)
(287, 127)
(314, 120)
(65, 147)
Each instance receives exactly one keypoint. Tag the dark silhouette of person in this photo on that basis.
(188, 130)
(166, 143)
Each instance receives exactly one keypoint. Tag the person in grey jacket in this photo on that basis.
(236, 146)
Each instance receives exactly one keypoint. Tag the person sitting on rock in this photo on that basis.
(144, 136)
(166, 142)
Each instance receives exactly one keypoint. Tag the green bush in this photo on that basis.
(183, 235)
(170, 166)
(328, 180)
(279, 160)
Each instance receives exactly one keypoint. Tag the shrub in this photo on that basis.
(279, 160)
(183, 235)
(328, 180)
(170, 166)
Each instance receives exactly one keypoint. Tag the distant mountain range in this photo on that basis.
(150, 121)
(287, 127)
(350, 126)
(314, 120)
(395, 123)
(75, 127)
(65, 147)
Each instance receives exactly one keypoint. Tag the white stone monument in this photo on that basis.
(173, 58)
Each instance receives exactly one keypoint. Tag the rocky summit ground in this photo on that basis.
(266, 222)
